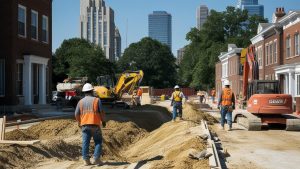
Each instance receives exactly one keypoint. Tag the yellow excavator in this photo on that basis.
(110, 93)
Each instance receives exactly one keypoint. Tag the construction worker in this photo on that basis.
(226, 104)
(176, 102)
(213, 95)
(139, 94)
(90, 116)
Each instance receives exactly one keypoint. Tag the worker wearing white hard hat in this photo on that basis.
(226, 83)
(226, 104)
(90, 116)
(176, 102)
(87, 87)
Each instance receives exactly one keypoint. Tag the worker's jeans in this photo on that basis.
(226, 115)
(89, 131)
(177, 106)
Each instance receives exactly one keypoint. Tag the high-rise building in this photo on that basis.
(160, 27)
(180, 54)
(117, 44)
(97, 25)
(201, 16)
(252, 7)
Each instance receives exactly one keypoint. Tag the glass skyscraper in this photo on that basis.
(97, 25)
(160, 27)
(202, 14)
(252, 7)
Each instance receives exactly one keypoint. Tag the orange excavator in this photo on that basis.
(264, 103)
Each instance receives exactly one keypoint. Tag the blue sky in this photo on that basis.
(66, 17)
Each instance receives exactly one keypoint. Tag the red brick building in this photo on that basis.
(26, 51)
(278, 50)
(229, 69)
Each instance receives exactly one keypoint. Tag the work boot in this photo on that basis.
(87, 162)
(98, 162)
(222, 127)
(229, 129)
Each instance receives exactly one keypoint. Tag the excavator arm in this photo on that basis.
(127, 82)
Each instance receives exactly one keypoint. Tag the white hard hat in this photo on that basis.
(176, 87)
(226, 83)
(87, 87)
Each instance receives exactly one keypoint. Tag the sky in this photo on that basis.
(134, 14)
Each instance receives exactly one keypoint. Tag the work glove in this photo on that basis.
(103, 124)
(219, 107)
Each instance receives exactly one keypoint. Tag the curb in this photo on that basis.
(214, 160)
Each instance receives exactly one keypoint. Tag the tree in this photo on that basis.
(154, 58)
(77, 58)
(197, 68)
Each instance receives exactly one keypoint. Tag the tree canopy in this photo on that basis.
(77, 58)
(197, 69)
(154, 58)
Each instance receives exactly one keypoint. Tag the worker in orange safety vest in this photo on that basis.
(90, 116)
(227, 105)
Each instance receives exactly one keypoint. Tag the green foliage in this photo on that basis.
(154, 58)
(77, 58)
(197, 69)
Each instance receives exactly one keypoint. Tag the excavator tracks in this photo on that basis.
(248, 120)
(292, 123)
(254, 123)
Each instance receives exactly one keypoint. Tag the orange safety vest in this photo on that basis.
(140, 92)
(213, 93)
(226, 97)
(176, 96)
(91, 116)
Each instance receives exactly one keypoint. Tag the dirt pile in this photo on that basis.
(169, 146)
(16, 156)
(46, 130)
(191, 113)
(61, 140)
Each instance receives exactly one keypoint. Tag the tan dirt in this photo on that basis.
(172, 142)
(127, 142)
(65, 142)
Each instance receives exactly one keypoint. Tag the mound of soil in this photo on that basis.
(16, 156)
(46, 130)
(169, 146)
(191, 113)
(61, 140)
(21, 135)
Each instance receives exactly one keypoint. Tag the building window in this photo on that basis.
(100, 27)
(267, 55)
(22, 21)
(94, 25)
(81, 29)
(105, 32)
(275, 52)
(45, 29)
(288, 47)
(34, 25)
(88, 27)
(298, 84)
(297, 47)
(271, 53)
(19, 82)
(2, 77)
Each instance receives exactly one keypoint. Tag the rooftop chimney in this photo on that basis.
(279, 13)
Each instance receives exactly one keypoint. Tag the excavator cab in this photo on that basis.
(263, 87)
(106, 81)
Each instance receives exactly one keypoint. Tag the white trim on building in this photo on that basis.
(27, 74)
(290, 73)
